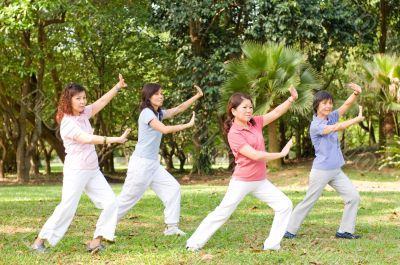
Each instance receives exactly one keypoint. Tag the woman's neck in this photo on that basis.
(241, 123)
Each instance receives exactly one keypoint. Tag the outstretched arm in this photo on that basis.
(253, 154)
(169, 113)
(343, 125)
(106, 98)
(165, 129)
(353, 97)
(85, 138)
(282, 108)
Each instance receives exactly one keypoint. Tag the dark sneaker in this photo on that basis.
(95, 249)
(289, 235)
(38, 248)
(346, 235)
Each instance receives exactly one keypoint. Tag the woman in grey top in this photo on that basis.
(144, 169)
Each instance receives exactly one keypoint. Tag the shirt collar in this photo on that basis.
(316, 118)
(241, 128)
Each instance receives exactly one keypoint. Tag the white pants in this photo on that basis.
(237, 190)
(144, 173)
(317, 182)
(93, 183)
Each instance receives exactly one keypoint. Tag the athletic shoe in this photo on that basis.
(38, 248)
(275, 248)
(289, 235)
(95, 249)
(192, 249)
(173, 230)
(346, 235)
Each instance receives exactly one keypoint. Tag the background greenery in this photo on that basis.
(46, 44)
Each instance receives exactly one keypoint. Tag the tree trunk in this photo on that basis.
(389, 127)
(202, 144)
(381, 139)
(282, 133)
(47, 159)
(35, 163)
(298, 143)
(182, 160)
(3, 152)
(167, 155)
(383, 24)
(273, 145)
(22, 165)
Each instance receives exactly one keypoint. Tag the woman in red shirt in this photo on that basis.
(247, 144)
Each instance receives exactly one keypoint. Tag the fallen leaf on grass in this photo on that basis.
(315, 263)
(207, 257)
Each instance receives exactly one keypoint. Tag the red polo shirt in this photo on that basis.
(247, 169)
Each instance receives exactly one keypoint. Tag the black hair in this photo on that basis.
(148, 91)
(234, 101)
(321, 96)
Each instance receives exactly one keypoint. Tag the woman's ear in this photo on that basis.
(233, 112)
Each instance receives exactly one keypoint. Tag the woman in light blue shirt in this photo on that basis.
(326, 168)
(144, 169)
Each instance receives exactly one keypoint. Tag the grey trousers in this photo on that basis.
(317, 182)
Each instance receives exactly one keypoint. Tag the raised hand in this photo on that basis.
(191, 122)
(356, 88)
(121, 83)
(124, 136)
(293, 92)
(199, 91)
(286, 149)
(360, 114)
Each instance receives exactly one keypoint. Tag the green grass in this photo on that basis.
(24, 209)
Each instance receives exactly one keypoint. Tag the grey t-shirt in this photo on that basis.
(149, 139)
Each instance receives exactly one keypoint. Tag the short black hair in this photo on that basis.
(321, 96)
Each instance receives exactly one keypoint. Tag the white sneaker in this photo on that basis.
(192, 249)
(173, 230)
(275, 248)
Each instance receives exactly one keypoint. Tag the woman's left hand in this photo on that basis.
(293, 92)
(199, 91)
(121, 83)
(356, 88)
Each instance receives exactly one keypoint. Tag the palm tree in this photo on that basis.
(380, 78)
(265, 73)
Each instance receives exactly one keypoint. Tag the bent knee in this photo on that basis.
(285, 205)
(355, 198)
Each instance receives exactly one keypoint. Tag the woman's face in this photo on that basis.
(243, 112)
(157, 99)
(325, 107)
(78, 103)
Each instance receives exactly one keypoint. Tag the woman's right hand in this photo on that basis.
(191, 122)
(124, 137)
(293, 92)
(360, 114)
(121, 83)
(286, 149)
(199, 91)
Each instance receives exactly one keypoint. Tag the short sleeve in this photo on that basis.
(69, 129)
(87, 112)
(259, 121)
(163, 112)
(236, 141)
(317, 128)
(146, 116)
(333, 117)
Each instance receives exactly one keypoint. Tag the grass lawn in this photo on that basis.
(24, 209)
